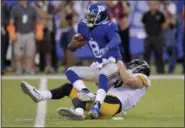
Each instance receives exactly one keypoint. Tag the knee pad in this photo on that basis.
(71, 75)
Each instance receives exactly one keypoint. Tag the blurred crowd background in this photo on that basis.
(153, 31)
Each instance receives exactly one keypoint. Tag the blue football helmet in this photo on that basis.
(95, 14)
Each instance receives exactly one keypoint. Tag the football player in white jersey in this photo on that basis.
(123, 95)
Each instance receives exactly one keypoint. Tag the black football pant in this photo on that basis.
(4, 47)
(125, 45)
(155, 44)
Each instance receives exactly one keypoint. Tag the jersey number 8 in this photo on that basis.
(95, 49)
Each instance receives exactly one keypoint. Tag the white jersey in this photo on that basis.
(128, 96)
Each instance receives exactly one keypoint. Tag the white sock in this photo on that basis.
(80, 111)
(46, 95)
(79, 85)
(100, 96)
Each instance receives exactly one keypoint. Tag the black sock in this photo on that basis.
(62, 91)
(78, 103)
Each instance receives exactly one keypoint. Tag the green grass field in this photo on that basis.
(163, 105)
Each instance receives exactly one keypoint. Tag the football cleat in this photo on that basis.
(31, 91)
(70, 113)
(86, 96)
(94, 112)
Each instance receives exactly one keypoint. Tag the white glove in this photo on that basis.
(108, 61)
(105, 61)
(96, 65)
(112, 60)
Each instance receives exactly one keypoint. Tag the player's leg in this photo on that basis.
(57, 93)
(76, 75)
(107, 75)
(38, 95)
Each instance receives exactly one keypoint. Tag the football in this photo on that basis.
(77, 41)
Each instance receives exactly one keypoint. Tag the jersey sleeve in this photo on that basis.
(80, 27)
(113, 35)
(13, 13)
(144, 79)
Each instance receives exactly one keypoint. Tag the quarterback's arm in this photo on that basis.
(128, 78)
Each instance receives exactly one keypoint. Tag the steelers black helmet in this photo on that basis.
(139, 66)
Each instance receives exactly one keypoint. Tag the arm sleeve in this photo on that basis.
(13, 13)
(79, 28)
(113, 36)
(7, 13)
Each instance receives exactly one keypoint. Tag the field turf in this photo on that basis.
(163, 105)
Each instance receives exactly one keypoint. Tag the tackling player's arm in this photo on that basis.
(128, 78)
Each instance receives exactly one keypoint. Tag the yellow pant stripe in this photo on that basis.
(106, 109)
(73, 93)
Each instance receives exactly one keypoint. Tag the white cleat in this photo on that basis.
(86, 97)
(70, 113)
(31, 91)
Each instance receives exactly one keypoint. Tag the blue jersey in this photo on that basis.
(105, 34)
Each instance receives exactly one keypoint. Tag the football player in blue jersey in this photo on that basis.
(103, 39)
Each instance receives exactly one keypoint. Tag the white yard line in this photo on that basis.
(62, 77)
(42, 106)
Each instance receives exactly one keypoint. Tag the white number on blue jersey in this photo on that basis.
(95, 48)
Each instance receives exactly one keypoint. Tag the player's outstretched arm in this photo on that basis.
(128, 78)
(113, 36)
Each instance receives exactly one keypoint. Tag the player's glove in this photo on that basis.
(108, 61)
(96, 65)
(105, 61)
(111, 60)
